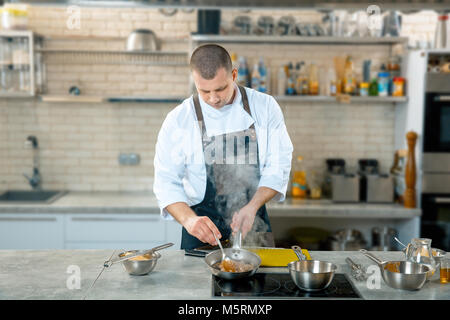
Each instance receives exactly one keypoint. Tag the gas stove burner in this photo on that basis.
(291, 287)
(253, 286)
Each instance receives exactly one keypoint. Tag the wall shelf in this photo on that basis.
(353, 99)
(324, 40)
(116, 57)
(111, 99)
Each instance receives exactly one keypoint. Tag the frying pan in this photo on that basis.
(240, 255)
(403, 275)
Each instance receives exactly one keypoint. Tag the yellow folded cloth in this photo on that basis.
(277, 257)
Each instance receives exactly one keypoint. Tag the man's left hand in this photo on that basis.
(244, 219)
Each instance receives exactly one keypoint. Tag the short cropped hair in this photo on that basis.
(209, 58)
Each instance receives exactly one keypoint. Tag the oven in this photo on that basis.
(437, 122)
(435, 196)
(435, 222)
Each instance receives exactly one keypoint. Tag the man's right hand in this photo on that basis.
(202, 228)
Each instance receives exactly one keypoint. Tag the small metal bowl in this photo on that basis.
(140, 267)
(312, 275)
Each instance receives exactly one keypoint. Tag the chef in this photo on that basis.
(221, 155)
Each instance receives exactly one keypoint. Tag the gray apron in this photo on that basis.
(232, 169)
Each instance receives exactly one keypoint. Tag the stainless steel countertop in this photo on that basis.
(44, 274)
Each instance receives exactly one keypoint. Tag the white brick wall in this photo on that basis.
(80, 143)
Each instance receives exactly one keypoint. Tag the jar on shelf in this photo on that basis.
(364, 89)
(14, 18)
(398, 85)
(383, 84)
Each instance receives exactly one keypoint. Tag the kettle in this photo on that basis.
(142, 40)
(392, 24)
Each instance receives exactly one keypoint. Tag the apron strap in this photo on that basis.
(199, 113)
(245, 100)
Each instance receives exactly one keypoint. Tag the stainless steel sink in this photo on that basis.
(31, 196)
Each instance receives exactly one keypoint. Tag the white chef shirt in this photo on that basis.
(180, 172)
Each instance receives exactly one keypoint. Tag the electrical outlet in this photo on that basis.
(129, 159)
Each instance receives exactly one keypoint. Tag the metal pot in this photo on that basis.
(143, 40)
(407, 276)
(311, 275)
(346, 240)
(240, 255)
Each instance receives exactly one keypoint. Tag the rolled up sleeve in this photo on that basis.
(169, 167)
(277, 163)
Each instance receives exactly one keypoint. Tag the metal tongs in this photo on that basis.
(119, 258)
(357, 270)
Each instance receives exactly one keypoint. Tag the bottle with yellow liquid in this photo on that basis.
(349, 84)
(313, 79)
(299, 185)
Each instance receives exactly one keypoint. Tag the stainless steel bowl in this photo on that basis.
(143, 40)
(312, 275)
(140, 267)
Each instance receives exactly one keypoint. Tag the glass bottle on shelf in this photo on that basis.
(5, 65)
(40, 78)
(24, 78)
(21, 64)
(313, 79)
(349, 78)
(299, 184)
(16, 58)
(5, 78)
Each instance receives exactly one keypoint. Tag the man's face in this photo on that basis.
(218, 91)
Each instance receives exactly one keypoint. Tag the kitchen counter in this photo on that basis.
(47, 274)
(145, 202)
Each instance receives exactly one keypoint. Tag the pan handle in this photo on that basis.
(371, 257)
(299, 253)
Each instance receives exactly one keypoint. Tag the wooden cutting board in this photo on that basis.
(277, 257)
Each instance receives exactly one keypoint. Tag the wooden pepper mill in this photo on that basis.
(410, 172)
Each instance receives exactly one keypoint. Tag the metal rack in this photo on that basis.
(158, 58)
(27, 67)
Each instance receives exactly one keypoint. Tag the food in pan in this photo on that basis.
(393, 267)
(144, 257)
(233, 266)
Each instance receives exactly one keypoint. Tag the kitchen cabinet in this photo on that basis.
(87, 231)
(31, 231)
(112, 231)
